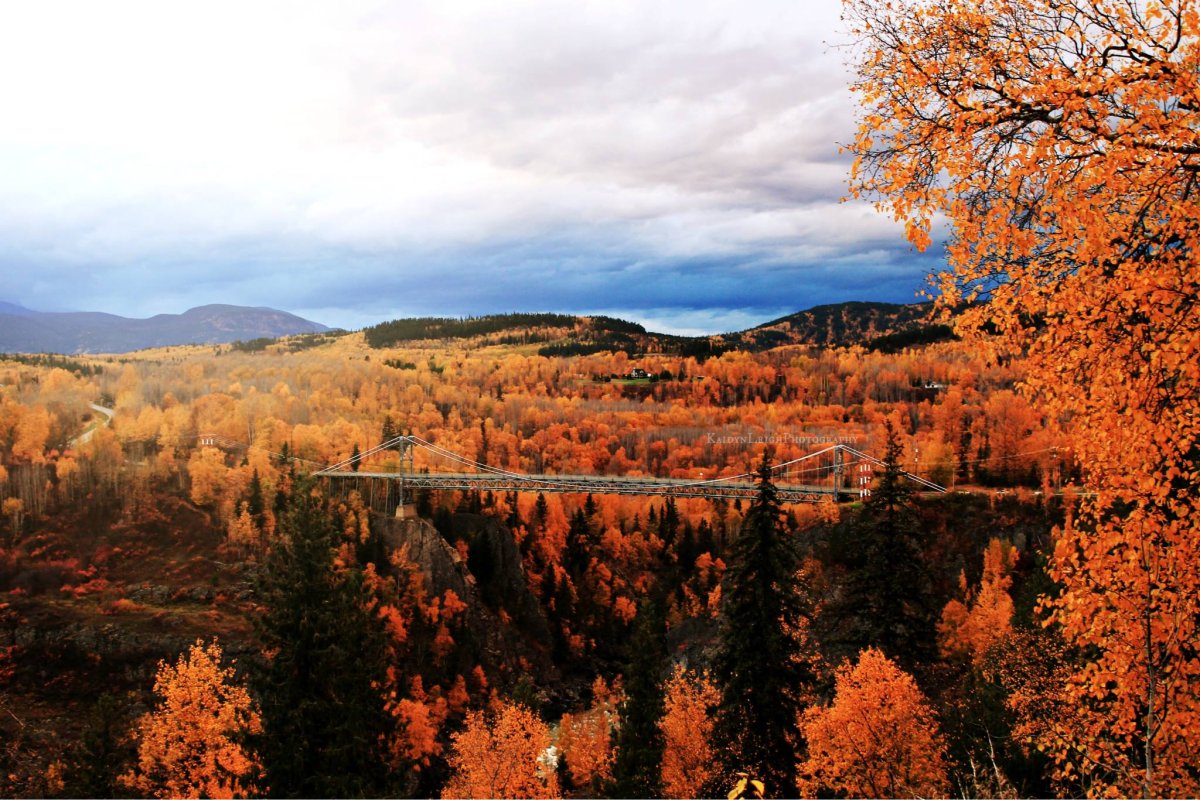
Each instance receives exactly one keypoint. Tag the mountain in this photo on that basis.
(842, 324)
(881, 326)
(26, 331)
(15, 310)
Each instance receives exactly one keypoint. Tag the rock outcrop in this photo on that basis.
(505, 618)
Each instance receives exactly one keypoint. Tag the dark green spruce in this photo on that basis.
(324, 721)
(765, 660)
(105, 751)
(638, 766)
(886, 600)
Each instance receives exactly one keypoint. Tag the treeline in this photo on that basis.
(388, 334)
(50, 361)
(304, 341)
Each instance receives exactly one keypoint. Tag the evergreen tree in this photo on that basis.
(324, 721)
(886, 599)
(687, 550)
(579, 546)
(256, 505)
(354, 454)
(668, 523)
(764, 661)
(637, 771)
(513, 519)
(388, 432)
(105, 751)
(424, 504)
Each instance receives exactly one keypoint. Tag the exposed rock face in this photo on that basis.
(513, 646)
(440, 563)
(495, 562)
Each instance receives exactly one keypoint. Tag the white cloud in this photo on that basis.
(300, 139)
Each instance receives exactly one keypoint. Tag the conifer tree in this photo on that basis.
(886, 602)
(764, 662)
(323, 718)
(637, 771)
(579, 546)
(388, 432)
(105, 750)
(256, 504)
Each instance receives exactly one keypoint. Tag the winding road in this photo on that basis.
(86, 436)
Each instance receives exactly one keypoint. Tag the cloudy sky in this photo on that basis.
(351, 161)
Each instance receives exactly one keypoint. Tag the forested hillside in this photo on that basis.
(876, 325)
(595, 624)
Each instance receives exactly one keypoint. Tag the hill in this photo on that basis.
(840, 324)
(885, 326)
(25, 331)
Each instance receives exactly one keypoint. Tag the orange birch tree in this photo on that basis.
(688, 761)
(502, 754)
(970, 629)
(189, 745)
(1060, 140)
(879, 737)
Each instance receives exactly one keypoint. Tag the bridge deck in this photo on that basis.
(667, 487)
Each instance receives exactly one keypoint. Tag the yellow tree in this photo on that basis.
(188, 746)
(878, 738)
(208, 472)
(1060, 139)
(585, 740)
(970, 629)
(505, 753)
(688, 761)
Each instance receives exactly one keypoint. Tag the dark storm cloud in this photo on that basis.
(362, 160)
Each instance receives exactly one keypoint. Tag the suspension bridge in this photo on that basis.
(839, 472)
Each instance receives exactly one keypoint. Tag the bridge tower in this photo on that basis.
(405, 507)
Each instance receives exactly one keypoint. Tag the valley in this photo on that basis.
(128, 543)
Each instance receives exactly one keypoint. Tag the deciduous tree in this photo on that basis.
(502, 753)
(878, 738)
(190, 745)
(969, 629)
(585, 740)
(1061, 141)
(688, 762)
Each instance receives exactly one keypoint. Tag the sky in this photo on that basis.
(676, 163)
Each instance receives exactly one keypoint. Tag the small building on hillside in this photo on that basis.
(638, 372)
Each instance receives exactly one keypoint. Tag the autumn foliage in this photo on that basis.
(688, 759)
(878, 738)
(190, 745)
(502, 753)
(970, 629)
(585, 739)
(1061, 140)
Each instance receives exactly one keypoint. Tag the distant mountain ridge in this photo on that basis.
(843, 324)
(73, 332)
(857, 319)
(888, 326)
